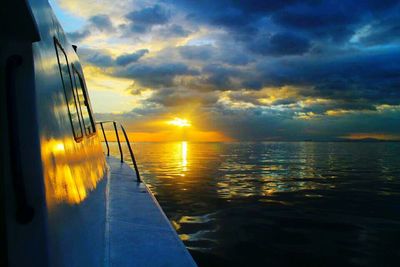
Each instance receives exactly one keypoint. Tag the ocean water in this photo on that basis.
(279, 203)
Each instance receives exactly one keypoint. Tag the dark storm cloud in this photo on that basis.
(230, 13)
(364, 78)
(334, 20)
(126, 59)
(310, 19)
(371, 77)
(150, 16)
(252, 124)
(78, 35)
(234, 58)
(96, 57)
(379, 5)
(156, 75)
(174, 30)
(382, 33)
(173, 97)
(252, 84)
(329, 19)
(280, 44)
(220, 76)
(243, 19)
(322, 19)
(203, 52)
(101, 22)
(102, 59)
(142, 20)
(223, 54)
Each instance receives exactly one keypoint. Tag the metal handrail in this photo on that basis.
(119, 144)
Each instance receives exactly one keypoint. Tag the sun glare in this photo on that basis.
(179, 122)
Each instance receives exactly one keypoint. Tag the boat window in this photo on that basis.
(68, 91)
(83, 100)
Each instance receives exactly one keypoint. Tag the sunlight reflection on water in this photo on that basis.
(257, 203)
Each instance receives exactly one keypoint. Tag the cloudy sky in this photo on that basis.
(241, 70)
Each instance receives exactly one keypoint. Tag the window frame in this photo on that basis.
(78, 78)
(58, 46)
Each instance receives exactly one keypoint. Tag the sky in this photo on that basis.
(241, 70)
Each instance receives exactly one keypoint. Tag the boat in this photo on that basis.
(65, 201)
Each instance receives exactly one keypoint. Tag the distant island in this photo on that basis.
(367, 140)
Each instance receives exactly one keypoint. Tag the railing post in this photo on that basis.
(119, 143)
(105, 139)
(131, 152)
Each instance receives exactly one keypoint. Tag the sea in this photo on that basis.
(279, 203)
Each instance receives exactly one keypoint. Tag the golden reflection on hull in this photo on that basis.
(71, 170)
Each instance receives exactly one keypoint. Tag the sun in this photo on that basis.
(179, 122)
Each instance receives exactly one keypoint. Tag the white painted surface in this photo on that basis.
(139, 232)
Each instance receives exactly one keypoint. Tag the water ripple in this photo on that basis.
(280, 204)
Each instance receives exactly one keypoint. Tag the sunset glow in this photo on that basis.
(259, 75)
(179, 122)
